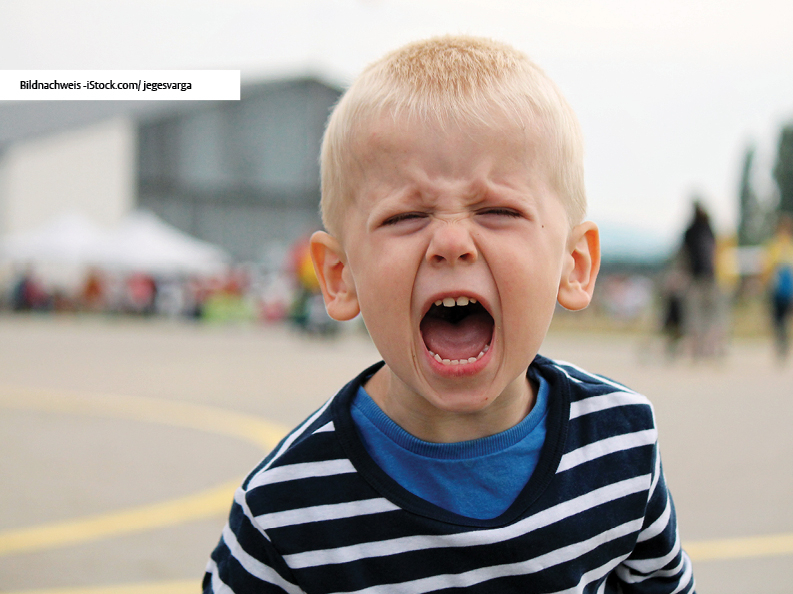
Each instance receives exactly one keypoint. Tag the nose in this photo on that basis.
(451, 243)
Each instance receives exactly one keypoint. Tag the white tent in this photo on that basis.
(141, 243)
(144, 243)
(71, 239)
(59, 251)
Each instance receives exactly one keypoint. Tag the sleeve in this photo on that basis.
(245, 560)
(658, 563)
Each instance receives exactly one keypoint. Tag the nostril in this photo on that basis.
(436, 258)
(467, 258)
(451, 245)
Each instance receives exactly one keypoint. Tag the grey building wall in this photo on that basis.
(239, 174)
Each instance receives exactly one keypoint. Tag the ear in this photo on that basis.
(335, 279)
(581, 267)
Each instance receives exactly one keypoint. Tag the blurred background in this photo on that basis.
(143, 243)
(690, 101)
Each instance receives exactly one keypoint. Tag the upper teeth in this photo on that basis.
(451, 301)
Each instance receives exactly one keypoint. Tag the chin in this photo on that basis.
(463, 403)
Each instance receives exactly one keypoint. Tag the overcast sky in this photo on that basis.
(669, 94)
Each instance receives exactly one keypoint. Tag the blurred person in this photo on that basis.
(229, 301)
(673, 294)
(21, 292)
(274, 299)
(453, 198)
(703, 303)
(141, 293)
(197, 292)
(779, 275)
(170, 299)
(115, 292)
(28, 293)
(307, 311)
(92, 296)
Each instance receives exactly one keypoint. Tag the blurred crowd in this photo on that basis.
(706, 279)
(708, 290)
(691, 299)
(286, 291)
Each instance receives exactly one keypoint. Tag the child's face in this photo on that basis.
(454, 217)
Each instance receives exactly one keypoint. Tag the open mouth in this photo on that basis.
(457, 331)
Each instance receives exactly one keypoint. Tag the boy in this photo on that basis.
(452, 195)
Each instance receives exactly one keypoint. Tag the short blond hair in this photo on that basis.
(453, 80)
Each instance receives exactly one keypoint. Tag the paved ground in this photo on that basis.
(119, 441)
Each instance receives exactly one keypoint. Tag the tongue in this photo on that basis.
(462, 340)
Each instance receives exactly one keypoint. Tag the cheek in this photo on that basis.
(384, 294)
(530, 295)
(528, 288)
(530, 271)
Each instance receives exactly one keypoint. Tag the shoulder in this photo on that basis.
(305, 444)
(608, 442)
(605, 418)
(309, 467)
(590, 392)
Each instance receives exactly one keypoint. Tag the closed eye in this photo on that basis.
(504, 212)
(405, 216)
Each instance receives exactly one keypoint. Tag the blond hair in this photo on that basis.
(453, 80)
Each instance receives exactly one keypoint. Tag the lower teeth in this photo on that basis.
(460, 361)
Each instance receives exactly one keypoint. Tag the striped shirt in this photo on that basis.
(319, 516)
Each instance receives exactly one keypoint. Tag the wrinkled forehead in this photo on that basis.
(390, 135)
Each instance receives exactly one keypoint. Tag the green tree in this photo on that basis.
(783, 170)
(751, 221)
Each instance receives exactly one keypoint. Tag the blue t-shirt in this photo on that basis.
(477, 479)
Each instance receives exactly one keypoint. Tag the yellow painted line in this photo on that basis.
(208, 503)
(174, 587)
(217, 500)
(174, 413)
(137, 519)
(772, 545)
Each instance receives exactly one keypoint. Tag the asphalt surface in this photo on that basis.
(105, 423)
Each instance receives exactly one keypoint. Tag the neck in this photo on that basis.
(418, 416)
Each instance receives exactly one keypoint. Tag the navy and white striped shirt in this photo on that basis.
(319, 516)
